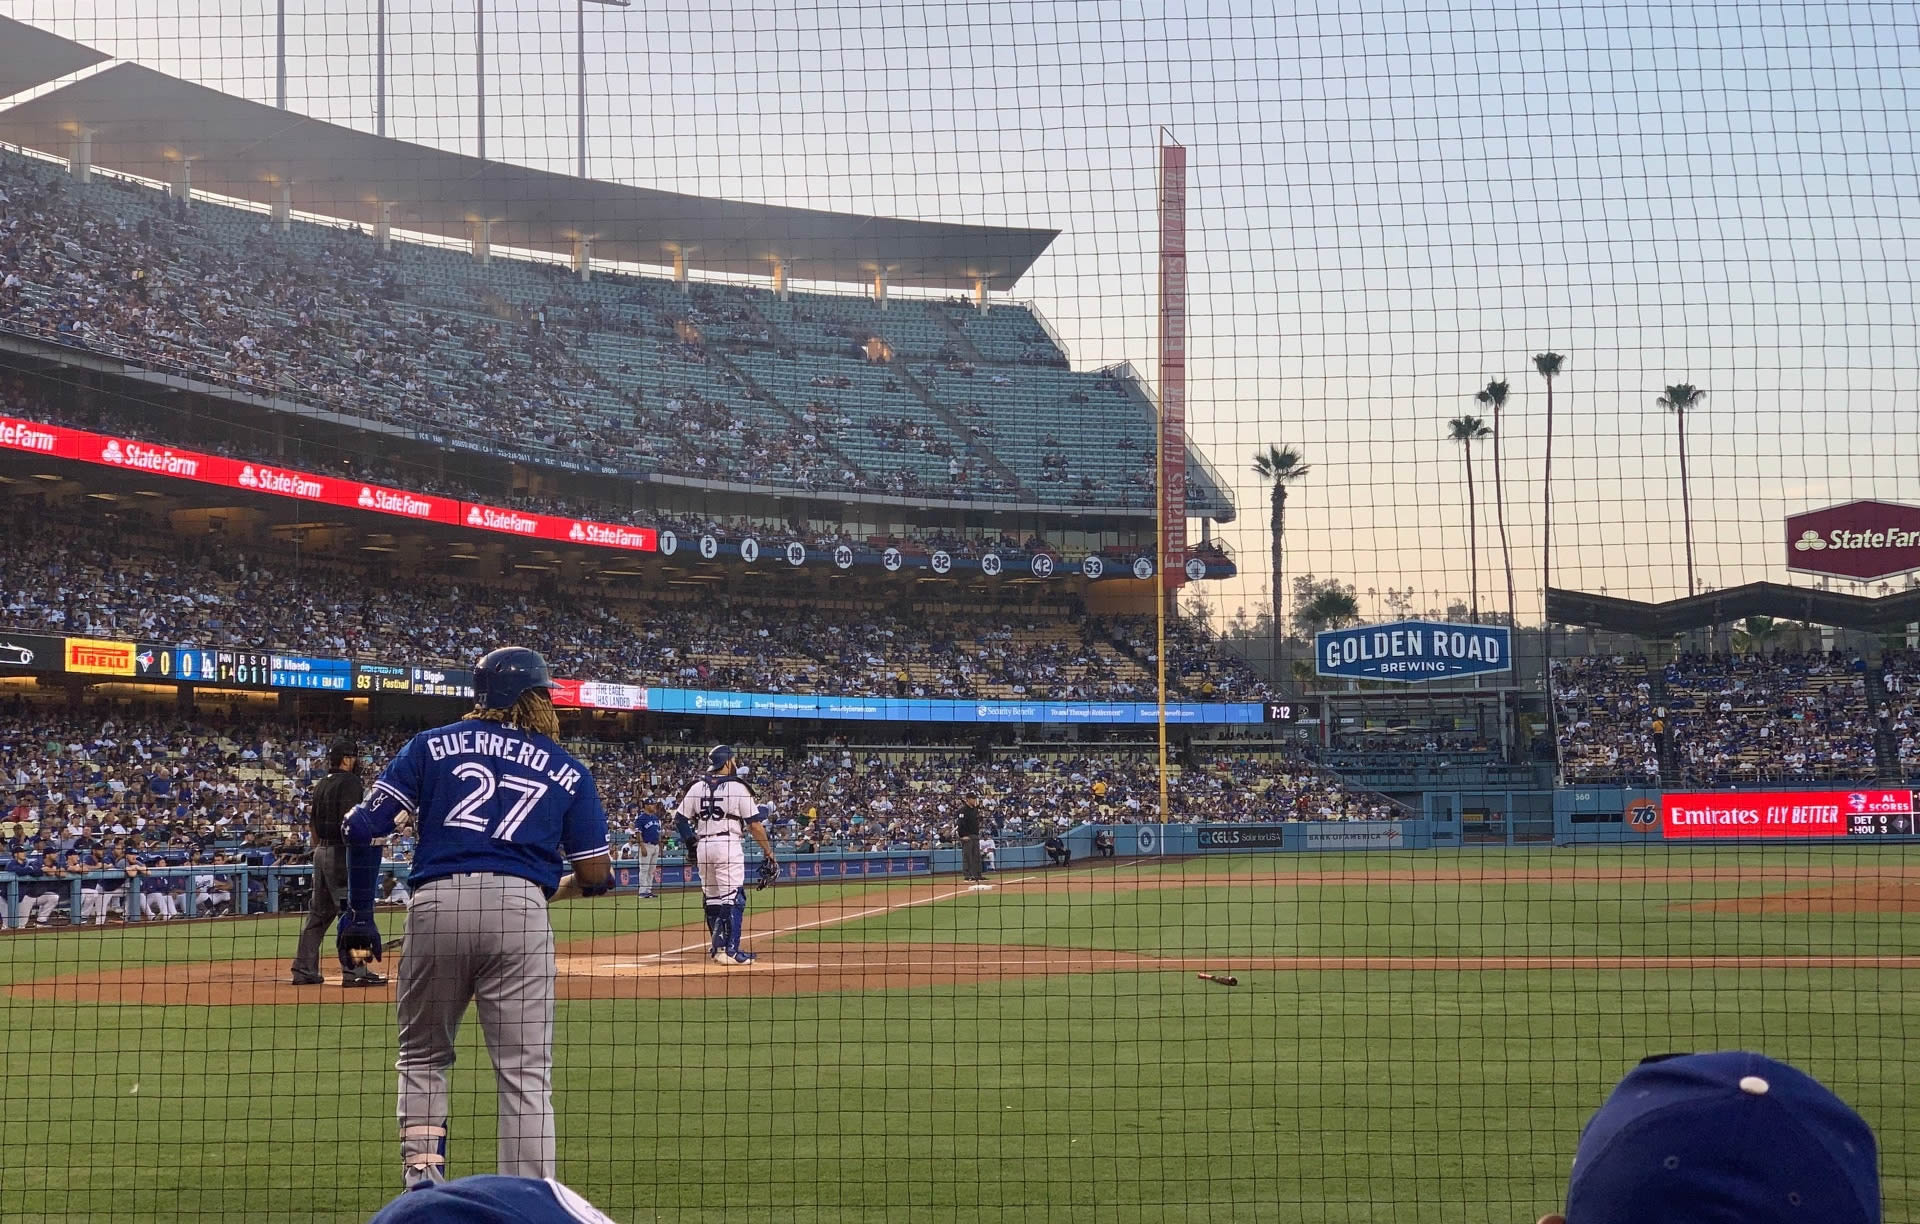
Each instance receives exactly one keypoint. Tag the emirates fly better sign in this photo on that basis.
(1862, 540)
(1413, 650)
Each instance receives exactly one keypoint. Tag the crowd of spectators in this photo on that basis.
(104, 414)
(325, 318)
(1605, 712)
(1900, 674)
(105, 576)
(1715, 720)
(1782, 717)
(110, 793)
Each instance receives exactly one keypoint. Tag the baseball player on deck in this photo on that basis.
(715, 814)
(647, 834)
(499, 806)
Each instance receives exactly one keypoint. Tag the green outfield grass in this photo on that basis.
(1314, 1096)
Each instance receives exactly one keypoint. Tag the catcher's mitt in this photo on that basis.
(769, 872)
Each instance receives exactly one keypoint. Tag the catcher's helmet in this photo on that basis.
(503, 675)
(718, 757)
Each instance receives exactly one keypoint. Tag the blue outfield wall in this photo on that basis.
(256, 890)
(1581, 816)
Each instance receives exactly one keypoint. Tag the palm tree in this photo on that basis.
(1756, 633)
(1331, 608)
(1548, 364)
(1282, 465)
(1466, 431)
(1679, 398)
(1494, 395)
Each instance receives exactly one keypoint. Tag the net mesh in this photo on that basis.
(1392, 512)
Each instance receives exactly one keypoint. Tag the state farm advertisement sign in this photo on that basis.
(1863, 540)
(128, 455)
(1783, 813)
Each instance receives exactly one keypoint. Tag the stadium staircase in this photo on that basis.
(1110, 643)
(1886, 749)
(962, 343)
(1657, 697)
(761, 394)
(903, 374)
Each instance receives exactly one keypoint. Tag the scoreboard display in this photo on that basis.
(248, 668)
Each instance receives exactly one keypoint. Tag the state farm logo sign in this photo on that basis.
(1861, 540)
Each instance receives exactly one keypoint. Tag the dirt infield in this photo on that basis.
(1867, 896)
(671, 963)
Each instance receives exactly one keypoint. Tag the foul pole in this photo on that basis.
(1170, 520)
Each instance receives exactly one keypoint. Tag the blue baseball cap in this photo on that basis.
(1724, 1138)
(491, 1199)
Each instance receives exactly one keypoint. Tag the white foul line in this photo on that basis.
(865, 913)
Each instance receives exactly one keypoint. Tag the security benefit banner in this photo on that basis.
(1413, 650)
(1821, 813)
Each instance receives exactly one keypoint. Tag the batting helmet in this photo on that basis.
(718, 757)
(502, 676)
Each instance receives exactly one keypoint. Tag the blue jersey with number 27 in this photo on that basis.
(489, 797)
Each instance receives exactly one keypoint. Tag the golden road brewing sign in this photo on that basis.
(1413, 650)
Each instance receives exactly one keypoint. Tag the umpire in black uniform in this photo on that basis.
(333, 797)
(972, 865)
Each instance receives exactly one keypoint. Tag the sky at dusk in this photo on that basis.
(1390, 204)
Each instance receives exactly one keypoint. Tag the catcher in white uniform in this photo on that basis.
(713, 817)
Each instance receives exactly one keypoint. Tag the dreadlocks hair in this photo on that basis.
(532, 712)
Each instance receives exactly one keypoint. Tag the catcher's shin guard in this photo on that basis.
(720, 923)
(736, 919)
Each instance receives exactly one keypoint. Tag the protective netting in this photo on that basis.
(1290, 595)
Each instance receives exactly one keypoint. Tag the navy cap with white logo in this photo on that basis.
(1724, 1138)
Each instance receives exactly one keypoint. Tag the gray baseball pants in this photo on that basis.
(972, 865)
(480, 938)
(329, 897)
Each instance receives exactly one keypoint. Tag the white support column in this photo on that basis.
(82, 159)
(980, 294)
(283, 209)
(482, 235)
(780, 279)
(383, 225)
(182, 186)
(880, 288)
(680, 268)
(583, 259)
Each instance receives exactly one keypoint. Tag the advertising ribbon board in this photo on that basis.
(1239, 837)
(32, 652)
(100, 657)
(1821, 813)
(152, 459)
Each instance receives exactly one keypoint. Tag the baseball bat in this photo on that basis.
(1218, 979)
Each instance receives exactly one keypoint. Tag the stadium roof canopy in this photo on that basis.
(30, 57)
(1659, 620)
(149, 124)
